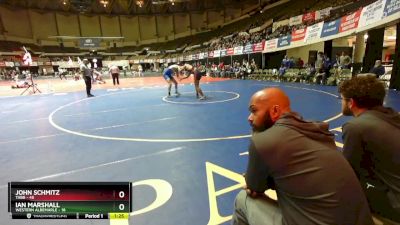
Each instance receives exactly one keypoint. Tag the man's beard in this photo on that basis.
(266, 125)
(346, 111)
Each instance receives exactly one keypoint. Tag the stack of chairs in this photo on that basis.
(343, 74)
(253, 75)
(256, 75)
(291, 75)
(272, 74)
(303, 76)
(332, 80)
(268, 75)
(385, 78)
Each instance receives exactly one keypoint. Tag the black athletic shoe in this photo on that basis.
(90, 95)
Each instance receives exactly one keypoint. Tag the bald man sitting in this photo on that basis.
(297, 158)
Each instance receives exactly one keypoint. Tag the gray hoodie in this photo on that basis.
(314, 182)
(372, 146)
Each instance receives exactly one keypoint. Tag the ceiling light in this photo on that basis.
(104, 3)
(140, 3)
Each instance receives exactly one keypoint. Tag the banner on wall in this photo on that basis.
(9, 64)
(238, 50)
(248, 49)
(217, 53)
(284, 41)
(372, 13)
(350, 22)
(271, 45)
(314, 32)
(296, 20)
(308, 17)
(391, 7)
(320, 14)
(223, 52)
(259, 47)
(299, 35)
(330, 28)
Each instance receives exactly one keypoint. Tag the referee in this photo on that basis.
(87, 76)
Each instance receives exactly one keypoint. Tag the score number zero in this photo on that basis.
(121, 206)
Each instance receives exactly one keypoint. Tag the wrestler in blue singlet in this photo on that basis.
(168, 73)
(168, 76)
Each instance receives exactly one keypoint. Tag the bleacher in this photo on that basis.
(288, 9)
(202, 42)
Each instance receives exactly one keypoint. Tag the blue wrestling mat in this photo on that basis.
(184, 156)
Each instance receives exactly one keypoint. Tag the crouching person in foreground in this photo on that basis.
(297, 158)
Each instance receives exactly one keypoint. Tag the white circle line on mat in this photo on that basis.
(55, 125)
(199, 102)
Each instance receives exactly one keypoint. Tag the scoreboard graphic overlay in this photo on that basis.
(69, 200)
